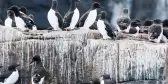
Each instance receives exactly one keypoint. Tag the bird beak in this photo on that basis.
(17, 65)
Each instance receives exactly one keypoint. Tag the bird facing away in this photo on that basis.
(145, 26)
(124, 21)
(155, 31)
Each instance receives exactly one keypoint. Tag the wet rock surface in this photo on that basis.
(77, 57)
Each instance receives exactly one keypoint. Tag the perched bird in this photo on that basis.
(155, 32)
(23, 22)
(89, 17)
(39, 74)
(54, 17)
(72, 16)
(10, 20)
(145, 26)
(10, 76)
(31, 23)
(165, 31)
(134, 28)
(165, 23)
(106, 79)
(105, 28)
(124, 21)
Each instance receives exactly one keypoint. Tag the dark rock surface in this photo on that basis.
(76, 57)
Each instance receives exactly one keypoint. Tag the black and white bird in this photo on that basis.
(124, 21)
(54, 17)
(10, 76)
(145, 26)
(106, 79)
(10, 20)
(89, 17)
(30, 17)
(39, 74)
(105, 28)
(23, 22)
(155, 32)
(134, 28)
(165, 30)
(72, 16)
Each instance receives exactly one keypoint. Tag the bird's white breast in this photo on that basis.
(8, 22)
(53, 20)
(34, 27)
(90, 19)
(12, 78)
(101, 27)
(102, 82)
(75, 18)
(20, 23)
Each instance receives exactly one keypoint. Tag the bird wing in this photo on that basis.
(94, 25)
(28, 20)
(110, 30)
(165, 32)
(4, 75)
(59, 19)
(67, 19)
(82, 19)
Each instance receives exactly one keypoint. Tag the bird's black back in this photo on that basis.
(60, 21)
(123, 22)
(82, 19)
(110, 30)
(67, 18)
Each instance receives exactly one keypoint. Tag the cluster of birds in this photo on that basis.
(156, 29)
(40, 74)
(11, 75)
(18, 17)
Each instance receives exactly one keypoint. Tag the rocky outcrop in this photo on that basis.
(76, 57)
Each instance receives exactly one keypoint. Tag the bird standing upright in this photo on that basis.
(72, 16)
(54, 17)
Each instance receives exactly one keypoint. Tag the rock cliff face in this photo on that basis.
(77, 57)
